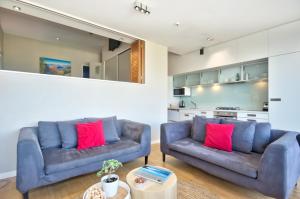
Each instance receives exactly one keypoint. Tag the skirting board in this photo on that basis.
(7, 175)
(13, 173)
(155, 142)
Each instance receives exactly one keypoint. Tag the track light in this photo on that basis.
(143, 8)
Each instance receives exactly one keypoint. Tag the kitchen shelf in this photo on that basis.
(209, 77)
(229, 74)
(256, 70)
(233, 82)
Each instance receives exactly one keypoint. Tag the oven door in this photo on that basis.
(225, 117)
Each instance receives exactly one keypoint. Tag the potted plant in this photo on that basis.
(110, 182)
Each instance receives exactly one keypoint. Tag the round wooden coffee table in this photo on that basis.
(152, 190)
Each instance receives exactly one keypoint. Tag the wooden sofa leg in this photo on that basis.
(164, 157)
(26, 195)
(146, 160)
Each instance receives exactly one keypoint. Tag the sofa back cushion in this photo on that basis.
(219, 136)
(199, 127)
(243, 135)
(48, 134)
(261, 137)
(90, 135)
(68, 133)
(110, 126)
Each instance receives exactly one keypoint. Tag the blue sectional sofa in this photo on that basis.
(38, 165)
(273, 171)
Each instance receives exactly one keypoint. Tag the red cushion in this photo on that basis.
(90, 135)
(219, 136)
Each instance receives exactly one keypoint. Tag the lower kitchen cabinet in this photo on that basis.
(173, 115)
(253, 116)
(189, 114)
(208, 114)
(186, 115)
(253, 119)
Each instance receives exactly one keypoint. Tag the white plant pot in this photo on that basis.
(110, 189)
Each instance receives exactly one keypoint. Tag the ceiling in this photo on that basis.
(221, 19)
(31, 27)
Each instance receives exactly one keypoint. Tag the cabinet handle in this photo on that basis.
(186, 115)
(251, 115)
(251, 120)
(275, 99)
(203, 112)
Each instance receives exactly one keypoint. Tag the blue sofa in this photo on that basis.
(273, 172)
(38, 166)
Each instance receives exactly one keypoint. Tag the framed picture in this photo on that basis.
(55, 66)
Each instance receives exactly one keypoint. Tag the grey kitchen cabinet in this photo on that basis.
(209, 77)
(255, 70)
(179, 81)
(192, 79)
(232, 73)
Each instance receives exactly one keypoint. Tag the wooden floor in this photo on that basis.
(74, 188)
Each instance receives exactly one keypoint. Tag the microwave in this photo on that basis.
(184, 91)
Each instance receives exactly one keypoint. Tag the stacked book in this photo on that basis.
(153, 173)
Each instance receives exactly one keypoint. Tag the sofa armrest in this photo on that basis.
(30, 161)
(280, 165)
(138, 132)
(171, 132)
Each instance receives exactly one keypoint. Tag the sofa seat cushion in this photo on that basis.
(60, 159)
(242, 163)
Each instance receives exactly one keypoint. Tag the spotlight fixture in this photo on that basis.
(143, 8)
(16, 8)
(57, 38)
(209, 38)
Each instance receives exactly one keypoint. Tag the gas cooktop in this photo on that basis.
(228, 108)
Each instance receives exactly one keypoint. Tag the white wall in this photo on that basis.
(1, 47)
(279, 40)
(28, 98)
(23, 54)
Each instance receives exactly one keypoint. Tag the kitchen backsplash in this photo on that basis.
(247, 96)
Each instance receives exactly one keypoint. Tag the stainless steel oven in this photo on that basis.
(225, 114)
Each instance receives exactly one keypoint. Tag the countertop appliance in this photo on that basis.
(181, 104)
(266, 106)
(184, 91)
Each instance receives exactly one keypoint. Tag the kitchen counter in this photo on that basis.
(214, 109)
(187, 113)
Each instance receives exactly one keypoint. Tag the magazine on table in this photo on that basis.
(156, 174)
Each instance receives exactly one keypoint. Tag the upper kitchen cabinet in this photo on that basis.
(192, 79)
(179, 81)
(209, 77)
(255, 70)
(220, 55)
(230, 74)
(284, 39)
(253, 47)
